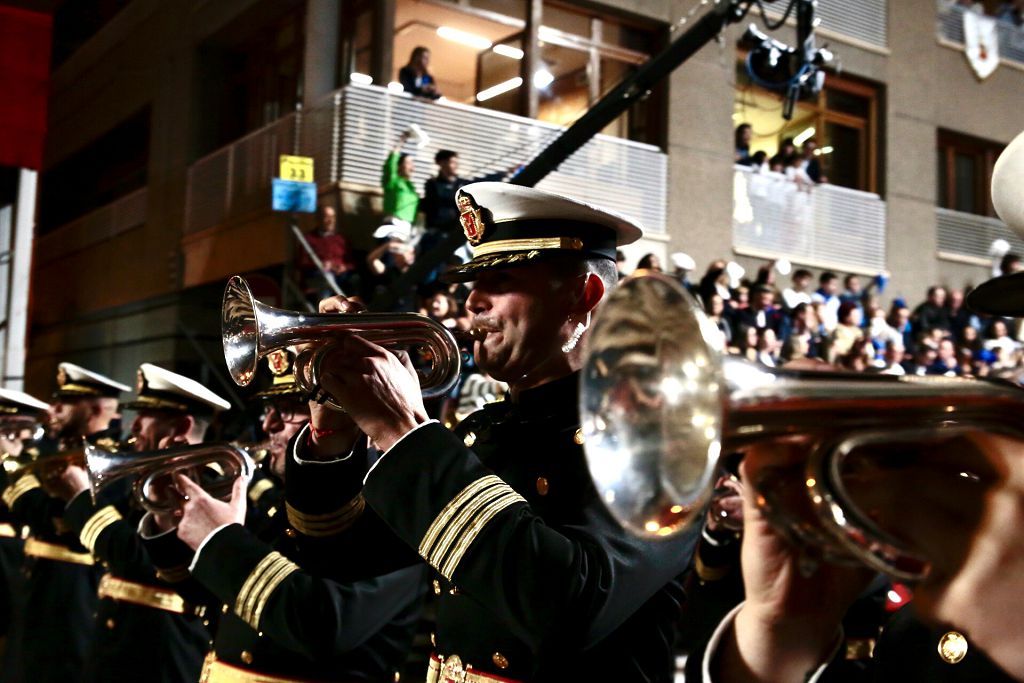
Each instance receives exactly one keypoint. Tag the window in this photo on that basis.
(842, 120)
(108, 168)
(965, 172)
(477, 53)
(252, 74)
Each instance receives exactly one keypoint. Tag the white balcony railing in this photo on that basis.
(967, 237)
(951, 30)
(825, 225)
(350, 133)
(865, 21)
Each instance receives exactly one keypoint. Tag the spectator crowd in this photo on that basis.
(841, 321)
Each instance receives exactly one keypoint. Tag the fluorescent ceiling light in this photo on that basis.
(457, 36)
(357, 77)
(501, 88)
(395, 86)
(804, 136)
(508, 51)
(542, 78)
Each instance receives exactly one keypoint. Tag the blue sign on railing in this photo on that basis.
(293, 195)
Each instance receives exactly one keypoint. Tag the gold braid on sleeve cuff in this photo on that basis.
(19, 488)
(452, 533)
(328, 523)
(260, 585)
(96, 524)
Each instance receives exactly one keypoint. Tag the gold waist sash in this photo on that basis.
(52, 551)
(140, 594)
(218, 672)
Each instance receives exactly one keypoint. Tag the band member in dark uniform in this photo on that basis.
(21, 416)
(534, 579)
(276, 622)
(145, 626)
(56, 628)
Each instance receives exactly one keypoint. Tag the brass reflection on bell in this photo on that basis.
(952, 647)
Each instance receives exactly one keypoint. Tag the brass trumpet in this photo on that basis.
(105, 467)
(250, 330)
(854, 459)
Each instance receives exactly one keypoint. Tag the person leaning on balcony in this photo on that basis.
(334, 252)
(401, 201)
(415, 78)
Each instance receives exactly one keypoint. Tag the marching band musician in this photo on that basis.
(18, 412)
(278, 623)
(143, 621)
(62, 577)
(534, 579)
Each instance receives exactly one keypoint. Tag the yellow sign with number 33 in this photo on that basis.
(297, 168)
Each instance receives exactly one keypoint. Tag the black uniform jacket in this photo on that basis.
(133, 641)
(535, 580)
(55, 628)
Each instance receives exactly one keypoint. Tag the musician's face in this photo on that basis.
(281, 421)
(69, 417)
(529, 310)
(152, 426)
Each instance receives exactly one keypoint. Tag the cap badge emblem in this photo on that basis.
(278, 362)
(469, 216)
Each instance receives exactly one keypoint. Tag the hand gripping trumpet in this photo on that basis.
(891, 472)
(250, 330)
(153, 471)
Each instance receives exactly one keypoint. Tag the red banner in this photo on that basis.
(24, 85)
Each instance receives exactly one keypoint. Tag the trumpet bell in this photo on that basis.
(240, 331)
(651, 405)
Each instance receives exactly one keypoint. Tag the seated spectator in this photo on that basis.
(859, 358)
(1000, 339)
(782, 160)
(827, 296)
(415, 76)
(333, 251)
(744, 134)
(798, 293)
(847, 332)
(762, 312)
(716, 313)
(796, 172)
(923, 357)
(768, 347)
(649, 262)
(748, 341)
(945, 360)
(714, 281)
(682, 265)
(1011, 263)
(960, 316)
(804, 339)
(932, 314)
(880, 332)
(401, 201)
(899, 320)
(890, 362)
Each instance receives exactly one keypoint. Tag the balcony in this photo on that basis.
(966, 238)
(350, 133)
(863, 23)
(951, 33)
(825, 226)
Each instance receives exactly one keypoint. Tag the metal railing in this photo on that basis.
(350, 132)
(822, 225)
(865, 21)
(951, 30)
(966, 237)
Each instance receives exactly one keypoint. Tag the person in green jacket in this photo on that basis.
(401, 200)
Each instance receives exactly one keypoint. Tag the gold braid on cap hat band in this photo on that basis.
(574, 243)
